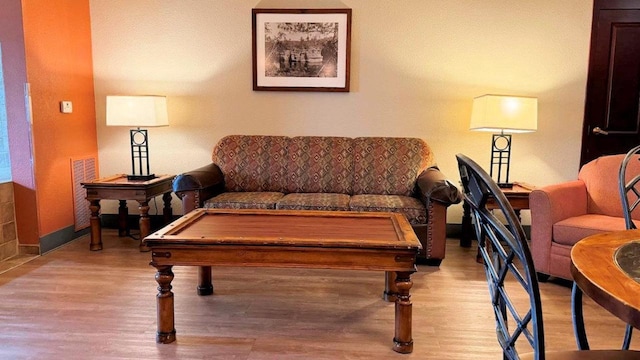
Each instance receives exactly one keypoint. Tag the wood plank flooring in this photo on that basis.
(75, 304)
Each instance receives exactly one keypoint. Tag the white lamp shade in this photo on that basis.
(140, 111)
(504, 113)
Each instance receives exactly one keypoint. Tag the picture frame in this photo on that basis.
(301, 49)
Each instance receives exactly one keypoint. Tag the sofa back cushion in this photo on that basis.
(252, 162)
(389, 166)
(320, 165)
(601, 179)
(314, 164)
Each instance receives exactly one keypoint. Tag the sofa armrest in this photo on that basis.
(434, 186)
(196, 186)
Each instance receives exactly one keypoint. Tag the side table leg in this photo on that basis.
(205, 285)
(123, 213)
(145, 223)
(466, 228)
(167, 212)
(166, 328)
(390, 293)
(518, 211)
(403, 342)
(96, 227)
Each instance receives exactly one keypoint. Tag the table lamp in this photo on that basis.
(138, 111)
(506, 114)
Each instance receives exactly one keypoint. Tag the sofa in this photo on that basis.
(329, 174)
(564, 213)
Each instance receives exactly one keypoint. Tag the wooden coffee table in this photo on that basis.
(289, 239)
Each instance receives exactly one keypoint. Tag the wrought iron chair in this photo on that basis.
(629, 189)
(629, 186)
(629, 183)
(509, 268)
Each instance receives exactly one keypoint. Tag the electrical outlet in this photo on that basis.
(66, 107)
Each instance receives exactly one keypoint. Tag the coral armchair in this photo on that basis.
(564, 213)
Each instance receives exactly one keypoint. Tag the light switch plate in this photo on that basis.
(66, 107)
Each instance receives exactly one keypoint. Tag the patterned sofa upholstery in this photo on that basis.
(327, 173)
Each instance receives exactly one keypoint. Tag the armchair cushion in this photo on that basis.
(571, 230)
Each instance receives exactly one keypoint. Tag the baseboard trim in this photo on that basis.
(59, 238)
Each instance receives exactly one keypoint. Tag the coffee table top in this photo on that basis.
(331, 229)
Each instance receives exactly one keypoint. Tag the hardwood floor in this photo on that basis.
(75, 304)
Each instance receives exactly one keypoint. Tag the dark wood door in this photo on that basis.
(612, 116)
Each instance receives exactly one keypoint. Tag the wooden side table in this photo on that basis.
(518, 197)
(117, 187)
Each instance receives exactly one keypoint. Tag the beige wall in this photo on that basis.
(415, 67)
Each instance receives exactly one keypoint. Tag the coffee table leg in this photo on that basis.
(145, 223)
(166, 328)
(390, 293)
(403, 342)
(205, 285)
(123, 212)
(96, 227)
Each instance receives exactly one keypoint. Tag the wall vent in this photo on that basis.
(82, 170)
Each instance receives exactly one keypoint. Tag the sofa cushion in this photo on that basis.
(320, 165)
(252, 163)
(388, 166)
(574, 229)
(244, 200)
(412, 208)
(314, 201)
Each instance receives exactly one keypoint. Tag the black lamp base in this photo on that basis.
(505, 185)
(141, 177)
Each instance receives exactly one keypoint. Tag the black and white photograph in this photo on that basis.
(304, 50)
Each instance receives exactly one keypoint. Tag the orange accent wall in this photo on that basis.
(59, 67)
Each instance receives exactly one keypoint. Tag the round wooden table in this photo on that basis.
(598, 274)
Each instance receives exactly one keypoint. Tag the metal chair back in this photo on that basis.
(629, 184)
(507, 263)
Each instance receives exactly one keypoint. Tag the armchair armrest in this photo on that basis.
(549, 205)
(560, 201)
(434, 186)
(196, 186)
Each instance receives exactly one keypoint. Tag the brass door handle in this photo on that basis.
(598, 131)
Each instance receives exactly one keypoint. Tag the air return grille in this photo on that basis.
(82, 170)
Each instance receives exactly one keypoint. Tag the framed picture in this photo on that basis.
(301, 49)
